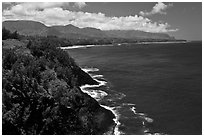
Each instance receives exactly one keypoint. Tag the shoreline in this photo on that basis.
(112, 129)
(98, 95)
(83, 46)
(119, 44)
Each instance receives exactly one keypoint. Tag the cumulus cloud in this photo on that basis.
(56, 14)
(158, 8)
(28, 6)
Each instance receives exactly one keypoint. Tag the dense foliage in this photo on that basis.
(41, 93)
(6, 34)
(52, 40)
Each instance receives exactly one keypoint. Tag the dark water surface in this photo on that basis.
(162, 84)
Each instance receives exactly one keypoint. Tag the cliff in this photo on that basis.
(41, 94)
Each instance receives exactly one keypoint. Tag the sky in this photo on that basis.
(183, 20)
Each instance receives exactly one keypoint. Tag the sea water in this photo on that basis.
(151, 88)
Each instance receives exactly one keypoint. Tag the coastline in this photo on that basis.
(119, 44)
(83, 46)
(112, 129)
(79, 112)
(107, 126)
(111, 102)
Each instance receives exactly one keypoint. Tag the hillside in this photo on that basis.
(31, 28)
(41, 94)
(131, 34)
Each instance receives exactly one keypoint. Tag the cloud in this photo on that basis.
(27, 6)
(158, 8)
(57, 14)
(80, 4)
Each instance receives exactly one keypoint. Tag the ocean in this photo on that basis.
(151, 88)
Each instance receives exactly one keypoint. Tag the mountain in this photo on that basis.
(71, 31)
(131, 34)
(26, 27)
(31, 28)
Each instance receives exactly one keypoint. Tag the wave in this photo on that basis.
(87, 70)
(101, 83)
(99, 94)
(97, 76)
(96, 94)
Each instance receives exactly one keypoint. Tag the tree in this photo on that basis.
(5, 33)
(15, 35)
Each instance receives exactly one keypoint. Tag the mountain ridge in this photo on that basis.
(31, 28)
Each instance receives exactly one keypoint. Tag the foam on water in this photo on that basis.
(87, 70)
(146, 131)
(76, 47)
(133, 109)
(116, 119)
(144, 119)
(120, 44)
(101, 83)
(142, 115)
(128, 104)
(99, 94)
(96, 94)
(97, 76)
(84, 46)
(149, 120)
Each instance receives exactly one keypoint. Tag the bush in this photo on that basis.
(9, 58)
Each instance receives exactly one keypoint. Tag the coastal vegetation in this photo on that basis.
(6, 34)
(41, 91)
